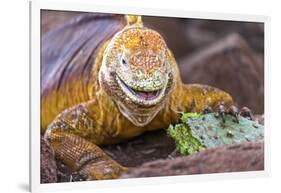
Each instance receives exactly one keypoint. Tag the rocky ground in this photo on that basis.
(232, 158)
(154, 154)
(48, 166)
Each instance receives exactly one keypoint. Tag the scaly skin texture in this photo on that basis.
(134, 87)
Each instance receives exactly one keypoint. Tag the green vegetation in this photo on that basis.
(197, 132)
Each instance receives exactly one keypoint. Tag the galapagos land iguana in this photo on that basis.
(129, 85)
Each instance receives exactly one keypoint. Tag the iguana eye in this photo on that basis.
(123, 61)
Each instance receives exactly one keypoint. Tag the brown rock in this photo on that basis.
(234, 158)
(202, 32)
(51, 19)
(231, 65)
(48, 166)
(145, 148)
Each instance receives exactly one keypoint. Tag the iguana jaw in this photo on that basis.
(144, 98)
(139, 116)
(138, 112)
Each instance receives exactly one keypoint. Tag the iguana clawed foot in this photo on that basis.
(246, 112)
(102, 170)
(221, 110)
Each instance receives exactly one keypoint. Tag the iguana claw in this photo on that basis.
(246, 112)
(221, 110)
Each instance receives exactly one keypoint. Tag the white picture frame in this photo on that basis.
(36, 6)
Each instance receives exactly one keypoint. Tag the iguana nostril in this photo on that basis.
(124, 61)
(139, 73)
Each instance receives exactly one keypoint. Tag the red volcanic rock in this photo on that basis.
(233, 158)
(48, 166)
(231, 65)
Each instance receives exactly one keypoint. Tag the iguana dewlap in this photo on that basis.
(92, 97)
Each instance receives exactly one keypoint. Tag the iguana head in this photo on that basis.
(136, 74)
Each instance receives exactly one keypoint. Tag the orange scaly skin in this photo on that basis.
(134, 87)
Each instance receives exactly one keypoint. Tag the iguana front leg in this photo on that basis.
(203, 98)
(197, 97)
(68, 135)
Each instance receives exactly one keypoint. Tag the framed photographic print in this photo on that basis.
(131, 96)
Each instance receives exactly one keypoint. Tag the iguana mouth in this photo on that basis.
(141, 97)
